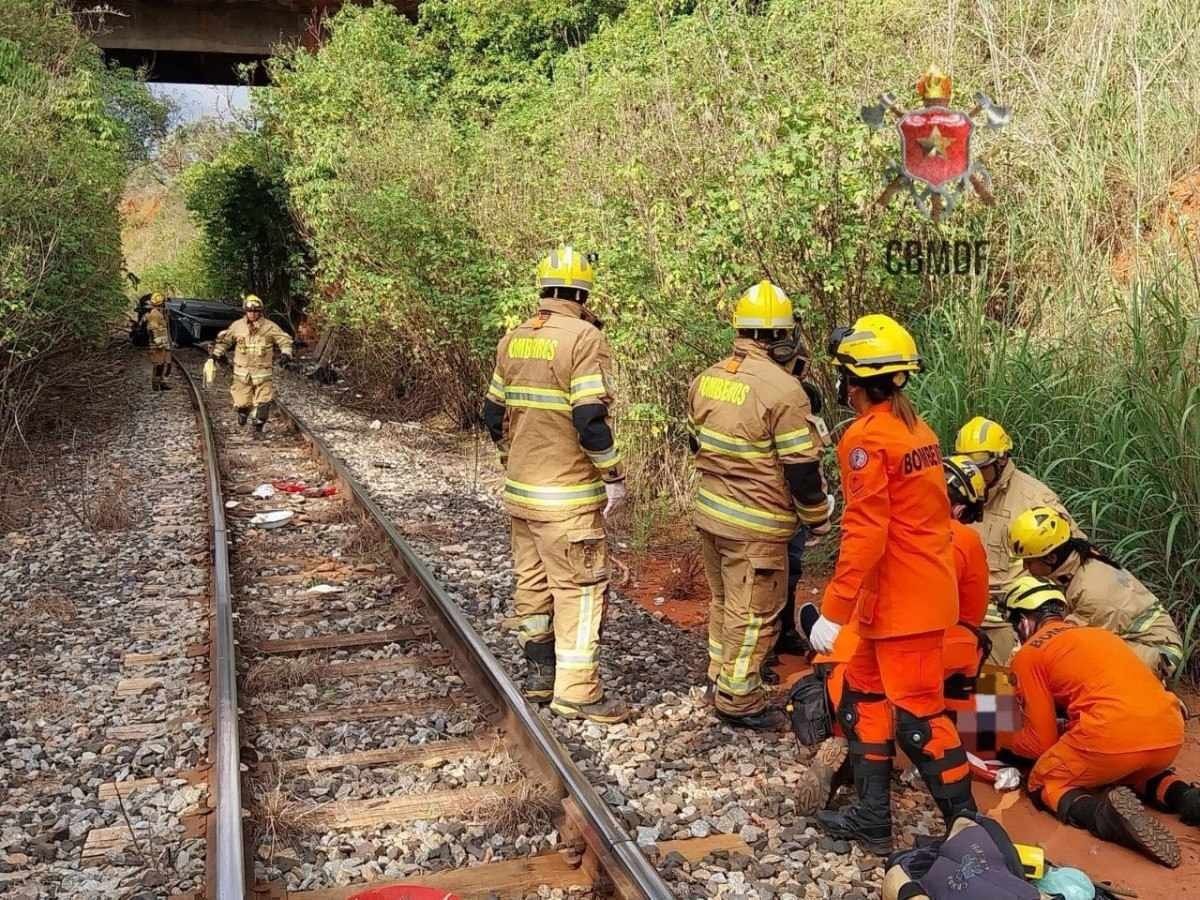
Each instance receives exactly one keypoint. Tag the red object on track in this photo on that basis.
(404, 892)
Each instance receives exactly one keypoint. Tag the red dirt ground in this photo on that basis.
(667, 580)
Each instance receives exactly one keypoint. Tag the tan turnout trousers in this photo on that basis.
(251, 389)
(748, 580)
(561, 570)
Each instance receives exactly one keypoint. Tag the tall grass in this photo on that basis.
(1107, 413)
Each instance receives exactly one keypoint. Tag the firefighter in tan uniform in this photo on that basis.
(254, 340)
(547, 409)
(1098, 591)
(757, 447)
(1009, 492)
(160, 342)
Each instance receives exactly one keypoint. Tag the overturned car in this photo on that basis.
(190, 320)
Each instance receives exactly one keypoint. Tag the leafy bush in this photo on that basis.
(699, 145)
(69, 130)
(250, 245)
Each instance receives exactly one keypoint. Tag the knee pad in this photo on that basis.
(913, 734)
(848, 717)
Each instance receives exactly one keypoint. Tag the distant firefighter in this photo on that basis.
(254, 339)
(160, 343)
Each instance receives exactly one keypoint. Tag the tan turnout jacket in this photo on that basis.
(156, 324)
(750, 417)
(1012, 494)
(1113, 599)
(253, 347)
(546, 368)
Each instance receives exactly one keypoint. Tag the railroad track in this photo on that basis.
(358, 716)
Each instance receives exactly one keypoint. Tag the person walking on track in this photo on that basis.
(1124, 729)
(1009, 491)
(547, 409)
(757, 447)
(254, 339)
(160, 342)
(895, 575)
(1098, 591)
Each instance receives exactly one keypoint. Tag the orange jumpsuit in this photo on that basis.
(1123, 726)
(961, 654)
(895, 576)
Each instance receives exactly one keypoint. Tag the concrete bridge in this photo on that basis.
(204, 41)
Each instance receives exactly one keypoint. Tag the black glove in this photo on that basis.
(285, 360)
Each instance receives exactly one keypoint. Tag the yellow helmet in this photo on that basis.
(983, 440)
(157, 299)
(764, 305)
(252, 303)
(875, 345)
(565, 267)
(1037, 531)
(964, 478)
(1029, 592)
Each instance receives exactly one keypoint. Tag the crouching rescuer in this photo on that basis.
(757, 447)
(1123, 728)
(254, 340)
(547, 409)
(896, 576)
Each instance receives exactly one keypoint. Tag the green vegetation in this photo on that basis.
(70, 130)
(699, 145)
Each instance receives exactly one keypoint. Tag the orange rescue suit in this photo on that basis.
(961, 651)
(895, 564)
(1123, 726)
(895, 576)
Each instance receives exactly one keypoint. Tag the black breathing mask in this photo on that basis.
(790, 351)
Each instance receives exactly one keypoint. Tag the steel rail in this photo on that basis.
(623, 862)
(226, 860)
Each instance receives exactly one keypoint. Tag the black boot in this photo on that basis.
(766, 719)
(261, 413)
(1117, 816)
(243, 416)
(869, 819)
(913, 734)
(1188, 807)
(163, 371)
(155, 379)
(539, 683)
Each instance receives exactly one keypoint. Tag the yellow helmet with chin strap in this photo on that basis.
(1038, 531)
(157, 299)
(565, 267)
(875, 345)
(252, 303)
(763, 305)
(964, 477)
(983, 440)
(1029, 593)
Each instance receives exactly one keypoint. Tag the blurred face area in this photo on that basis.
(990, 466)
(253, 315)
(1026, 625)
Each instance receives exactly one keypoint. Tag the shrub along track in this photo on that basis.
(381, 741)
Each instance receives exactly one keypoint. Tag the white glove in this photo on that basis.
(823, 634)
(825, 527)
(615, 490)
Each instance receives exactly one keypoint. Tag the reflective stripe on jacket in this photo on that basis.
(545, 369)
(750, 417)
